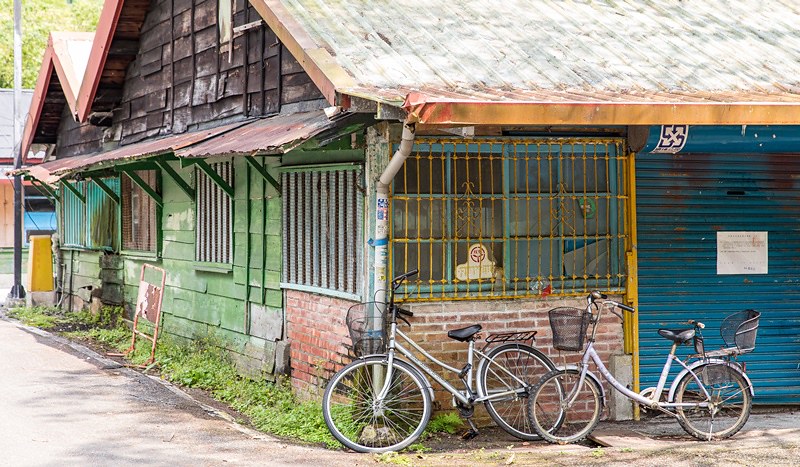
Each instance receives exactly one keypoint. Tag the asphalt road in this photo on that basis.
(63, 404)
(61, 407)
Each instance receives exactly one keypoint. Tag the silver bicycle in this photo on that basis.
(383, 400)
(710, 397)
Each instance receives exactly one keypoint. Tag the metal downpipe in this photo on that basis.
(381, 236)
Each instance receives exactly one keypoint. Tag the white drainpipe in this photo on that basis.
(381, 238)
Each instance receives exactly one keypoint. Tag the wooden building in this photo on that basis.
(250, 157)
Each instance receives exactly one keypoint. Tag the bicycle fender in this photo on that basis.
(589, 374)
(716, 361)
(421, 373)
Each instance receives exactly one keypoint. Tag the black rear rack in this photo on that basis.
(511, 336)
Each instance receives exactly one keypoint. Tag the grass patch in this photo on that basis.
(53, 319)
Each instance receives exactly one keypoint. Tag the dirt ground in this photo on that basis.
(771, 437)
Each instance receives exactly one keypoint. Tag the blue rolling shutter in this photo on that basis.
(682, 201)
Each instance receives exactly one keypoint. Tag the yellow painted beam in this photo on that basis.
(632, 321)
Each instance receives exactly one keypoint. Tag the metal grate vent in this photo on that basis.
(214, 214)
(322, 218)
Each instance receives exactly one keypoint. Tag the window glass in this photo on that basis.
(510, 218)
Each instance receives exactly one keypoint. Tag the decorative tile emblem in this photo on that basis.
(672, 139)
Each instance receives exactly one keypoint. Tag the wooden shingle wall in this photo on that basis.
(75, 139)
(183, 78)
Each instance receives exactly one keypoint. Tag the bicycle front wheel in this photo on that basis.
(362, 422)
(723, 400)
(512, 370)
(562, 411)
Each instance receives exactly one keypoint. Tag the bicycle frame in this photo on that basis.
(654, 402)
(469, 399)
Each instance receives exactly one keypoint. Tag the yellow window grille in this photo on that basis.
(501, 218)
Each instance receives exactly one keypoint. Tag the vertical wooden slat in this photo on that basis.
(307, 220)
(326, 232)
(342, 231)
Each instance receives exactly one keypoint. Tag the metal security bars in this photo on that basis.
(139, 221)
(93, 223)
(322, 219)
(502, 218)
(73, 216)
(214, 216)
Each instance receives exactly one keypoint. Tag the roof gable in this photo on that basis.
(114, 48)
(63, 65)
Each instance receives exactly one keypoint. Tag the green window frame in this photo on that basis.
(140, 214)
(90, 223)
(500, 218)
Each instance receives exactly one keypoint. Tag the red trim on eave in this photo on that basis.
(103, 37)
(37, 101)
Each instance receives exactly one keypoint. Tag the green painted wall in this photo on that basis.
(7, 260)
(198, 302)
(81, 274)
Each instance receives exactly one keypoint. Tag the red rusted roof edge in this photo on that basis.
(104, 34)
(37, 102)
(317, 62)
(52, 60)
(443, 111)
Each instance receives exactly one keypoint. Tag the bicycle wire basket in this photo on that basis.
(366, 324)
(738, 331)
(569, 327)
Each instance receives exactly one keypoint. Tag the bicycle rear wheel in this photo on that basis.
(561, 411)
(728, 402)
(364, 424)
(526, 363)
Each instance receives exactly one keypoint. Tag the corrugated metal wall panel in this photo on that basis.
(682, 202)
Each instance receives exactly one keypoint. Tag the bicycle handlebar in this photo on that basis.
(404, 276)
(404, 312)
(626, 307)
(697, 323)
(596, 295)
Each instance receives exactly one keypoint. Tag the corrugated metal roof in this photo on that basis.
(7, 120)
(600, 51)
(52, 172)
(274, 135)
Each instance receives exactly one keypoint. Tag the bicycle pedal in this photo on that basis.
(470, 434)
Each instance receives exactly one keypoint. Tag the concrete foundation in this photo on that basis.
(40, 299)
(619, 406)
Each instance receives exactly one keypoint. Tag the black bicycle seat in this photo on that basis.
(464, 334)
(681, 336)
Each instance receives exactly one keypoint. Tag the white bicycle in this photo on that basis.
(711, 397)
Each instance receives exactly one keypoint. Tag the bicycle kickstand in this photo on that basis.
(467, 413)
(472, 433)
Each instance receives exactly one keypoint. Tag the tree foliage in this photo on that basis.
(39, 18)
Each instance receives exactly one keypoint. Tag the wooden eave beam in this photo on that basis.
(214, 176)
(135, 178)
(175, 176)
(43, 188)
(263, 172)
(99, 182)
(74, 191)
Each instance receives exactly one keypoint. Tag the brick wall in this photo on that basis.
(431, 322)
(318, 337)
(318, 334)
